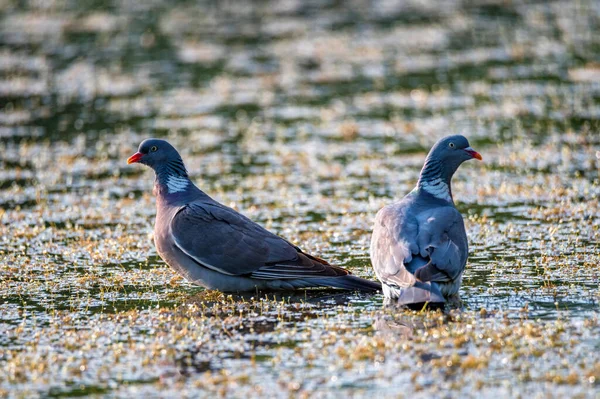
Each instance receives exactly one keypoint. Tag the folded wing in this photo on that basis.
(430, 246)
(442, 241)
(393, 245)
(219, 238)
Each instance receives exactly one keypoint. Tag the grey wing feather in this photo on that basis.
(443, 238)
(223, 240)
(393, 244)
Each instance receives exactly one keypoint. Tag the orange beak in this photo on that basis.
(474, 153)
(135, 158)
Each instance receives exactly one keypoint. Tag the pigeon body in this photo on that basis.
(419, 245)
(218, 248)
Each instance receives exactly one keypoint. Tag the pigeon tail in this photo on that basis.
(349, 282)
(419, 293)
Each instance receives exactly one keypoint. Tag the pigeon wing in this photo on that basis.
(221, 239)
(393, 244)
(442, 237)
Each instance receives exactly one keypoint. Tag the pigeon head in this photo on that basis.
(155, 153)
(171, 175)
(452, 151)
(442, 162)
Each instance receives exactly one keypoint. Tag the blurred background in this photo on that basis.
(375, 71)
(306, 116)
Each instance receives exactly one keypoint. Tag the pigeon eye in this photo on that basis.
(153, 148)
(451, 145)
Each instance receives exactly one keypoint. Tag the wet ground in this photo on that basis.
(308, 118)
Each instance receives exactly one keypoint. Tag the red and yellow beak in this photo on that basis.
(135, 158)
(473, 153)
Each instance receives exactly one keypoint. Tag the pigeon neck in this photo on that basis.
(172, 178)
(435, 180)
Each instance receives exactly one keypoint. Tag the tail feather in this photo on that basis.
(419, 293)
(346, 283)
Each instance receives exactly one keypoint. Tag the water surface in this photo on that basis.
(307, 117)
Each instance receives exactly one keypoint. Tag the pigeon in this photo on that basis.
(419, 245)
(218, 248)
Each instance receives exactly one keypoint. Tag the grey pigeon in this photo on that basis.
(218, 248)
(419, 245)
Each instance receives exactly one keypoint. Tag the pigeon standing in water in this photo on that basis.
(419, 245)
(218, 248)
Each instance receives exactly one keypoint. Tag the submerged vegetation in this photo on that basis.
(307, 120)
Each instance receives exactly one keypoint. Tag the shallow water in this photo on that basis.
(308, 118)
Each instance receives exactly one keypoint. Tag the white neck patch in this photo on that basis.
(438, 189)
(176, 184)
